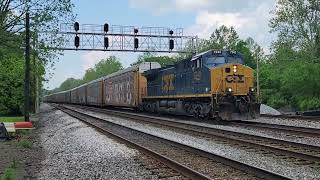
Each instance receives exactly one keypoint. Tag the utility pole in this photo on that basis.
(27, 70)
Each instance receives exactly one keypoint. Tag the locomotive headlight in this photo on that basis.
(229, 89)
(235, 68)
(252, 89)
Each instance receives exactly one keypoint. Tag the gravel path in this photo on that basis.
(75, 151)
(269, 162)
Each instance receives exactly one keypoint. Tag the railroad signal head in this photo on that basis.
(136, 43)
(170, 32)
(106, 42)
(135, 30)
(77, 41)
(171, 44)
(76, 26)
(106, 27)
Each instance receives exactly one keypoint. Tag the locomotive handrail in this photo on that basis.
(220, 82)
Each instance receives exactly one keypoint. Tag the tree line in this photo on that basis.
(45, 15)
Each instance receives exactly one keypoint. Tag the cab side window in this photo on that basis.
(197, 63)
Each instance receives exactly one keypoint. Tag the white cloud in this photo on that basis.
(166, 6)
(91, 58)
(187, 5)
(206, 22)
(248, 24)
(248, 17)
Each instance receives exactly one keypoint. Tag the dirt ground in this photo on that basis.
(25, 159)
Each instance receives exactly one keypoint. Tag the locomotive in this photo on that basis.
(213, 84)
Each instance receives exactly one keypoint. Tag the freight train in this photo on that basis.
(213, 84)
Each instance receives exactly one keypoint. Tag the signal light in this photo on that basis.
(106, 42)
(77, 41)
(171, 44)
(136, 43)
(76, 26)
(170, 32)
(106, 27)
(135, 30)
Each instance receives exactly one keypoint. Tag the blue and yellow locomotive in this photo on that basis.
(211, 84)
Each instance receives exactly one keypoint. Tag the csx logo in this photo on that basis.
(167, 82)
(235, 78)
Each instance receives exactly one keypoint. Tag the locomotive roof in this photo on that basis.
(213, 51)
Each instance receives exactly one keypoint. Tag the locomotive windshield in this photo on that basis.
(235, 60)
(214, 61)
(213, 58)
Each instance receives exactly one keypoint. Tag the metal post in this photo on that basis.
(35, 76)
(258, 83)
(27, 71)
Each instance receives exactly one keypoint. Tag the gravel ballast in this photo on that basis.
(289, 122)
(268, 162)
(75, 151)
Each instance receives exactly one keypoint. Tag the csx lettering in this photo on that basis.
(168, 82)
(235, 78)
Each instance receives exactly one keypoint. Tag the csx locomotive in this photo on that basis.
(213, 84)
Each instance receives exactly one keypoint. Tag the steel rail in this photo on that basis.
(285, 146)
(167, 161)
(296, 117)
(260, 172)
(284, 128)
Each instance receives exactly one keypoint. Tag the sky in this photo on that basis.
(250, 18)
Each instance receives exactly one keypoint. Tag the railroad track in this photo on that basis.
(198, 156)
(294, 117)
(311, 132)
(297, 153)
(294, 130)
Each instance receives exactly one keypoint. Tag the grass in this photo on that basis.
(9, 172)
(23, 138)
(25, 143)
(11, 119)
(24, 132)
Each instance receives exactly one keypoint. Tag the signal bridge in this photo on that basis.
(92, 37)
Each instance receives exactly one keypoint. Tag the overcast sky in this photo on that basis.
(197, 17)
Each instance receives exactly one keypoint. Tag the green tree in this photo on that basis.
(69, 84)
(151, 57)
(228, 38)
(103, 68)
(45, 15)
(11, 84)
(297, 25)
(291, 76)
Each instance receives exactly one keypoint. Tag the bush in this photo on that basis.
(9, 174)
(291, 83)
